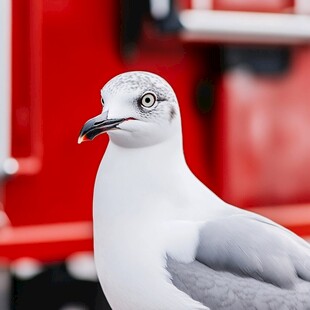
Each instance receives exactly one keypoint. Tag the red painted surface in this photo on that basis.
(264, 125)
(274, 6)
(47, 242)
(267, 6)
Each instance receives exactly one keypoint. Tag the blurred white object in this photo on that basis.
(10, 166)
(202, 4)
(5, 80)
(81, 266)
(160, 8)
(26, 268)
(302, 6)
(225, 26)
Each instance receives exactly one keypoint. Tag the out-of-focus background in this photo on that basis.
(241, 71)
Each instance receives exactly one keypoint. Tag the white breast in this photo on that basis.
(136, 225)
(131, 265)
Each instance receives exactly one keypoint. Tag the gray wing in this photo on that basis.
(246, 261)
(223, 290)
(252, 246)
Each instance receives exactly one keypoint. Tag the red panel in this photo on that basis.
(26, 57)
(271, 6)
(254, 5)
(264, 127)
(45, 242)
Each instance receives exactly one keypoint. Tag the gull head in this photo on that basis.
(138, 109)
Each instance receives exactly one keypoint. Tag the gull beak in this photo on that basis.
(98, 125)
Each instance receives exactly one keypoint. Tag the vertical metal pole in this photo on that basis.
(5, 124)
(5, 80)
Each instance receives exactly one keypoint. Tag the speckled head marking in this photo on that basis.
(139, 109)
(141, 81)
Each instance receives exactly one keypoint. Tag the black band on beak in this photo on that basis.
(98, 125)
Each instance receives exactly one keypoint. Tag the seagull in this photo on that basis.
(162, 239)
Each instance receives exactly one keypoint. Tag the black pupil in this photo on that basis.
(147, 100)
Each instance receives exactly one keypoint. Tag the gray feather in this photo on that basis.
(251, 246)
(223, 290)
(245, 261)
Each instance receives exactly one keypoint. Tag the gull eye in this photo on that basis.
(102, 102)
(148, 100)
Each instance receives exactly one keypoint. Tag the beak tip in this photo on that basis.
(81, 139)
